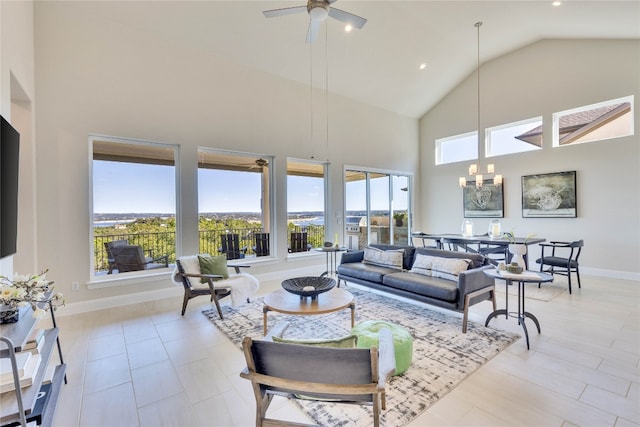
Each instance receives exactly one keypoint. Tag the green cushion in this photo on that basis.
(213, 265)
(349, 341)
(368, 332)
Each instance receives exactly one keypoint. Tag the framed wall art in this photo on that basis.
(483, 202)
(550, 195)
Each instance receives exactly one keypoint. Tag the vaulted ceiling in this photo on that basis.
(379, 64)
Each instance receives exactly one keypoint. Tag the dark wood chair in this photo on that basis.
(262, 244)
(344, 375)
(110, 258)
(299, 242)
(565, 261)
(230, 246)
(131, 258)
(214, 286)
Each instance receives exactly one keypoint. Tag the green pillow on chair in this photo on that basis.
(213, 265)
(350, 341)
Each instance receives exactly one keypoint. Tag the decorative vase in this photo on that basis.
(9, 314)
(518, 250)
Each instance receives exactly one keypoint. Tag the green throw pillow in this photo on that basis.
(350, 341)
(213, 265)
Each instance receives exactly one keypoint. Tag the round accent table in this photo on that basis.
(286, 302)
(521, 279)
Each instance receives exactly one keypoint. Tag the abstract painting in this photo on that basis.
(550, 195)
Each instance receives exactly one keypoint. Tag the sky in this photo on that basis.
(125, 187)
(133, 187)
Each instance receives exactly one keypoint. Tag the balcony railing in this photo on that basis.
(164, 243)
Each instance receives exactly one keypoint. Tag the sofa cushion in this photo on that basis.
(444, 290)
(477, 260)
(384, 258)
(362, 271)
(407, 259)
(444, 268)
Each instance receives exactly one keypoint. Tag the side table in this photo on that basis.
(521, 279)
(331, 255)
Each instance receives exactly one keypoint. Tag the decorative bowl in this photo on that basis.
(515, 269)
(308, 286)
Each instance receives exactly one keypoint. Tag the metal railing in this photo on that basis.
(158, 244)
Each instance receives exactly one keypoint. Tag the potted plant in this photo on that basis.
(26, 290)
(399, 217)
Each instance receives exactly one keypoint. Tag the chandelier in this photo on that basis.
(473, 169)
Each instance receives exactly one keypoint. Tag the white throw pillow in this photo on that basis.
(190, 264)
(449, 268)
(390, 258)
(422, 264)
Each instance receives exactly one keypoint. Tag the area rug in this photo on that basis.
(442, 355)
(546, 292)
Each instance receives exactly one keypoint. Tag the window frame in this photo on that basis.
(488, 136)
(106, 280)
(463, 136)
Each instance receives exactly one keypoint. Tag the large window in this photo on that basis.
(234, 204)
(134, 205)
(457, 148)
(596, 122)
(306, 207)
(518, 137)
(377, 208)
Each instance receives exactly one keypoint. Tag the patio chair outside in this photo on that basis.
(131, 258)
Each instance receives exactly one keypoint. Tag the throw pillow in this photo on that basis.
(389, 258)
(350, 341)
(422, 264)
(213, 265)
(190, 264)
(449, 268)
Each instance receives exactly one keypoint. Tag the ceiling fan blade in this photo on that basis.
(348, 18)
(286, 11)
(312, 34)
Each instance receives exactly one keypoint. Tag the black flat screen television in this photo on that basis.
(9, 159)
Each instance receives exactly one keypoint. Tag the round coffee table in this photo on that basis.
(285, 302)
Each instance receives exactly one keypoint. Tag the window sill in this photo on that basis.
(124, 279)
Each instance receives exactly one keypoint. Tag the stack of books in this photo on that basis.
(27, 361)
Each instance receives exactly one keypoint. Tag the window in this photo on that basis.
(306, 209)
(234, 204)
(377, 208)
(596, 122)
(518, 137)
(457, 148)
(134, 204)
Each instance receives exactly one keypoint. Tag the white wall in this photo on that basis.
(538, 80)
(94, 76)
(17, 94)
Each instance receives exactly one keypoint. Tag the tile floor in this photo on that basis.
(145, 365)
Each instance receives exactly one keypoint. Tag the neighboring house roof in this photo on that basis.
(577, 125)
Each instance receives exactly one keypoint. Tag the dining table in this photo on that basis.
(467, 242)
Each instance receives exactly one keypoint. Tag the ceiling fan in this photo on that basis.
(259, 164)
(318, 11)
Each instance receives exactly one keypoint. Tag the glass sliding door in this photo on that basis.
(377, 206)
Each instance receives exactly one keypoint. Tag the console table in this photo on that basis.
(521, 279)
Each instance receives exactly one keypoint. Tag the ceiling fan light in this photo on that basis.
(318, 14)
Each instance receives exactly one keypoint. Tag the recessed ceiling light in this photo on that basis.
(423, 66)
(556, 3)
(348, 28)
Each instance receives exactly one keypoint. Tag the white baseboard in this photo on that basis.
(169, 292)
(614, 274)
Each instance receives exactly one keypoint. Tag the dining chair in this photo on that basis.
(563, 259)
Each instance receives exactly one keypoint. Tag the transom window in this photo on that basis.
(517, 137)
(458, 148)
(595, 122)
